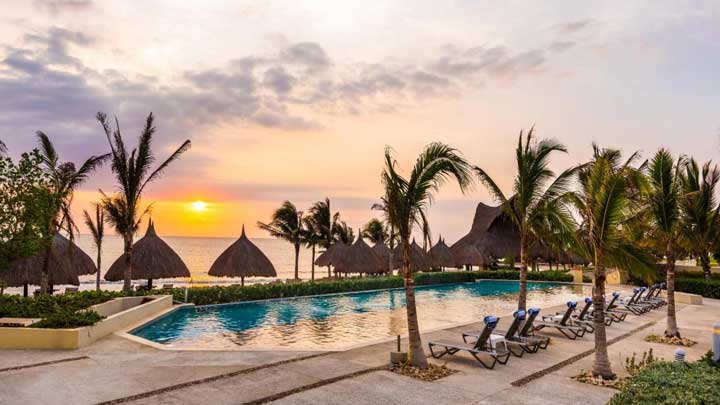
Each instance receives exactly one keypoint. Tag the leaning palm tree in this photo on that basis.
(664, 212)
(700, 210)
(604, 201)
(408, 199)
(287, 224)
(64, 180)
(344, 233)
(325, 223)
(97, 230)
(132, 170)
(375, 231)
(531, 200)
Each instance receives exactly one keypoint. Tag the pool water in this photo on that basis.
(337, 321)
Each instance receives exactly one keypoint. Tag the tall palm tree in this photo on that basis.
(287, 224)
(408, 199)
(132, 170)
(531, 201)
(325, 223)
(607, 187)
(344, 233)
(389, 214)
(700, 210)
(311, 237)
(97, 230)
(64, 180)
(664, 209)
(375, 231)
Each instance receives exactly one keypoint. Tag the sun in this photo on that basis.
(198, 206)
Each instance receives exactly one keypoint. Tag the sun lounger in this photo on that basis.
(562, 323)
(167, 286)
(515, 344)
(71, 290)
(631, 303)
(583, 319)
(482, 347)
(613, 313)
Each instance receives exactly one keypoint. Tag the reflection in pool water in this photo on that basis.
(337, 321)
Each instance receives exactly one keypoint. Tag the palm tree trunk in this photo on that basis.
(392, 246)
(127, 276)
(671, 329)
(312, 264)
(44, 275)
(242, 281)
(601, 365)
(705, 263)
(99, 259)
(522, 299)
(297, 257)
(416, 354)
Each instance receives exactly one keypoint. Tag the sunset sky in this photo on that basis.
(297, 100)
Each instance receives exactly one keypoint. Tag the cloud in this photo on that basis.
(561, 46)
(572, 27)
(496, 62)
(55, 7)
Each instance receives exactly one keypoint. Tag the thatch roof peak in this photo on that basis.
(331, 254)
(152, 259)
(441, 256)
(358, 258)
(418, 258)
(242, 259)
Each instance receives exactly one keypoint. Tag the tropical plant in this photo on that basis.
(311, 237)
(608, 189)
(64, 180)
(324, 222)
(664, 210)
(700, 208)
(532, 203)
(132, 170)
(287, 224)
(3, 148)
(407, 199)
(344, 233)
(375, 231)
(25, 207)
(97, 230)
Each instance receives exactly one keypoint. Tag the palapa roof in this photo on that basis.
(242, 259)
(67, 262)
(359, 258)
(441, 256)
(383, 253)
(152, 258)
(328, 257)
(418, 259)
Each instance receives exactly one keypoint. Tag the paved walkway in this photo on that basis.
(119, 369)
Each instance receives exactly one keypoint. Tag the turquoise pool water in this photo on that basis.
(342, 320)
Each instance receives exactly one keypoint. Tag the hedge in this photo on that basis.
(672, 383)
(706, 288)
(63, 311)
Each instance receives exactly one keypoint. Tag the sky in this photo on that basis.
(287, 100)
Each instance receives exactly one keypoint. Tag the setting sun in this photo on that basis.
(198, 206)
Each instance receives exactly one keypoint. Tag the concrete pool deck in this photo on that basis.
(120, 370)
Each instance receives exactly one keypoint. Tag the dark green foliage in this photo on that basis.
(672, 383)
(57, 311)
(68, 320)
(695, 274)
(706, 288)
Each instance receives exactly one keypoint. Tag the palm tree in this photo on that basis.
(375, 231)
(664, 209)
(530, 204)
(311, 237)
(97, 230)
(388, 213)
(3, 148)
(325, 223)
(699, 206)
(64, 180)
(287, 224)
(605, 200)
(344, 233)
(407, 200)
(133, 173)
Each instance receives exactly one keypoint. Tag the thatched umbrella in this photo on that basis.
(152, 259)
(418, 259)
(383, 253)
(468, 254)
(441, 256)
(358, 258)
(67, 262)
(242, 259)
(328, 257)
(492, 235)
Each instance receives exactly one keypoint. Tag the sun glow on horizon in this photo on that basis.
(199, 206)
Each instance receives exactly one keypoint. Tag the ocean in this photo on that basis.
(199, 254)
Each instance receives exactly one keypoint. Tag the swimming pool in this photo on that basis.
(337, 321)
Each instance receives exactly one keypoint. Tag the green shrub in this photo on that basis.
(695, 274)
(672, 383)
(706, 288)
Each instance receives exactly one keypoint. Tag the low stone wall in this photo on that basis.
(120, 314)
(687, 298)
